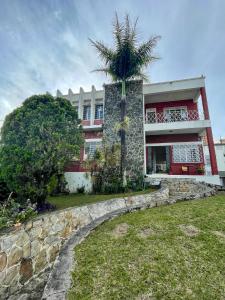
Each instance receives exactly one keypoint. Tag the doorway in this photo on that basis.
(158, 159)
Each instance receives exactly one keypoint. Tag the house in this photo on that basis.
(220, 156)
(168, 121)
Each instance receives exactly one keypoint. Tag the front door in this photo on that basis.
(158, 159)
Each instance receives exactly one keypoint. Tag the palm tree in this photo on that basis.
(124, 62)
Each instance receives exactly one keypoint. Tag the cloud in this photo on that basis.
(45, 47)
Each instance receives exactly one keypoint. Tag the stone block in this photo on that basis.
(22, 239)
(7, 241)
(40, 261)
(52, 252)
(35, 248)
(27, 250)
(14, 256)
(12, 275)
(3, 261)
(98, 210)
(26, 270)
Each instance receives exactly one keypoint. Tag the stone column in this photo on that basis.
(135, 133)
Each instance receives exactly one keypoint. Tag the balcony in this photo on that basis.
(176, 121)
(174, 116)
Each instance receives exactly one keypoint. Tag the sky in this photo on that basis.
(44, 46)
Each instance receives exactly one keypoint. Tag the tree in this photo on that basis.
(37, 140)
(124, 62)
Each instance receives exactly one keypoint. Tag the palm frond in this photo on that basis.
(128, 59)
(118, 32)
(144, 52)
(104, 52)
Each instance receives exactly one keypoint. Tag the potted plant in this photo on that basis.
(200, 170)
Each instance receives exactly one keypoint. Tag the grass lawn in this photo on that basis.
(169, 252)
(70, 200)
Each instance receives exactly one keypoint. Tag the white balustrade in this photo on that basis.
(173, 116)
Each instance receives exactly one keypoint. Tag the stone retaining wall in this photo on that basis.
(27, 255)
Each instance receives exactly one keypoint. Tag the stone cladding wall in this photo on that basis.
(135, 132)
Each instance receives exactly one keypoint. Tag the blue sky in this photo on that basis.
(44, 45)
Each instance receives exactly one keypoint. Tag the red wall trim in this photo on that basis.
(86, 122)
(172, 138)
(93, 134)
(209, 134)
(190, 104)
(98, 122)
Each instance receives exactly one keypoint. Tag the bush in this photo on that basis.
(106, 173)
(4, 191)
(81, 189)
(37, 140)
(57, 185)
(12, 212)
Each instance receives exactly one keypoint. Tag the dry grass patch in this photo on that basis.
(145, 232)
(219, 234)
(189, 230)
(120, 230)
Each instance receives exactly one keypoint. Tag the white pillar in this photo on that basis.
(93, 90)
(80, 104)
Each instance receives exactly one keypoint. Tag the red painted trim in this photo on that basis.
(209, 134)
(171, 158)
(93, 135)
(212, 152)
(86, 122)
(190, 104)
(146, 158)
(172, 138)
(98, 122)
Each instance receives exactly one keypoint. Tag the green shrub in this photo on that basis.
(12, 212)
(4, 190)
(81, 189)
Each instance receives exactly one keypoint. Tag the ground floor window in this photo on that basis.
(188, 153)
(90, 148)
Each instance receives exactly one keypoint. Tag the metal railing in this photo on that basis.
(173, 116)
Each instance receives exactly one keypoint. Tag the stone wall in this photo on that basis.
(28, 254)
(135, 132)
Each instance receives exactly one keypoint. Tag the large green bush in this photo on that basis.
(37, 140)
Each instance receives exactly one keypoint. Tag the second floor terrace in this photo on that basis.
(176, 107)
(166, 105)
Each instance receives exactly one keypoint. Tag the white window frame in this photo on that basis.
(99, 104)
(151, 110)
(96, 142)
(187, 153)
(166, 109)
(88, 117)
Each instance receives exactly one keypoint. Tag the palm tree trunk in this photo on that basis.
(123, 135)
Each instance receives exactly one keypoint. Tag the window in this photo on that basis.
(176, 114)
(90, 148)
(188, 153)
(99, 111)
(86, 112)
(151, 115)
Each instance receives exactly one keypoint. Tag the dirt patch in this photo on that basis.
(120, 230)
(219, 234)
(189, 230)
(146, 232)
(145, 297)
